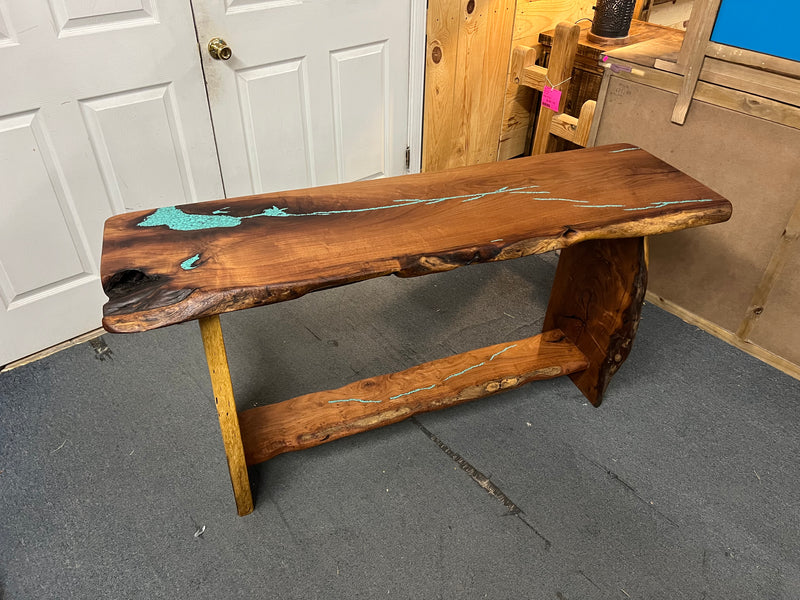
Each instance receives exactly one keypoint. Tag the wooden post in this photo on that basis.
(226, 410)
(597, 301)
(693, 54)
(559, 71)
(640, 8)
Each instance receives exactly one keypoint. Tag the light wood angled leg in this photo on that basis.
(226, 410)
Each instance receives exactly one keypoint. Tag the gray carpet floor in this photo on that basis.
(684, 484)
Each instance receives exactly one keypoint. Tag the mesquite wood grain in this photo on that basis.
(180, 263)
(596, 301)
(321, 417)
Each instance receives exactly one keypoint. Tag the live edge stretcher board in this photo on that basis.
(169, 265)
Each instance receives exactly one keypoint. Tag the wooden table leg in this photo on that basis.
(597, 301)
(226, 410)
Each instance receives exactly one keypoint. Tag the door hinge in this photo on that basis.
(408, 157)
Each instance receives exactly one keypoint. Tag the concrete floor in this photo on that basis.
(684, 484)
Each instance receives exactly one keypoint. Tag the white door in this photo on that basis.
(316, 91)
(102, 110)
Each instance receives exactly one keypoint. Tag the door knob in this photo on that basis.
(218, 49)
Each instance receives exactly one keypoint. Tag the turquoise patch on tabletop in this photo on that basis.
(177, 220)
(189, 263)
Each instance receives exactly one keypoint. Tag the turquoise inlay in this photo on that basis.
(667, 203)
(188, 264)
(526, 189)
(355, 400)
(602, 206)
(562, 200)
(623, 150)
(464, 371)
(177, 220)
(484, 194)
(430, 387)
(496, 354)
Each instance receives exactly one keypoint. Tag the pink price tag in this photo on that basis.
(551, 98)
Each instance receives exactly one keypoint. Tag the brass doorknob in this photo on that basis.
(218, 49)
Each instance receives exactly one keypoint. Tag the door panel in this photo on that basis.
(332, 76)
(76, 17)
(103, 110)
(27, 162)
(131, 160)
(7, 35)
(358, 78)
(239, 6)
(289, 166)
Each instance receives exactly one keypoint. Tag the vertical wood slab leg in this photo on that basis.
(597, 301)
(226, 410)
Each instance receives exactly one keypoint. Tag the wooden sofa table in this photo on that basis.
(195, 261)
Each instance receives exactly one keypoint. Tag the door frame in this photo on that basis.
(416, 82)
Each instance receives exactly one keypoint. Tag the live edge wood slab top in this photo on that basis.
(174, 264)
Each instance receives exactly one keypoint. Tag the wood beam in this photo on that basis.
(693, 53)
(314, 419)
(576, 130)
(562, 57)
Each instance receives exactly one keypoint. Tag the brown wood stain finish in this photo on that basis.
(196, 261)
(235, 256)
(314, 419)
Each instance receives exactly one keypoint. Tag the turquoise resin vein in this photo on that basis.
(429, 387)
(177, 220)
(189, 263)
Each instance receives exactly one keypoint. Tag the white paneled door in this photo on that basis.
(315, 92)
(104, 109)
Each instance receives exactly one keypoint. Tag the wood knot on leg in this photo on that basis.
(509, 382)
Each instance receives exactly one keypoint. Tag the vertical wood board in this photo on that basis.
(441, 67)
(559, 74)
(469, 44)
